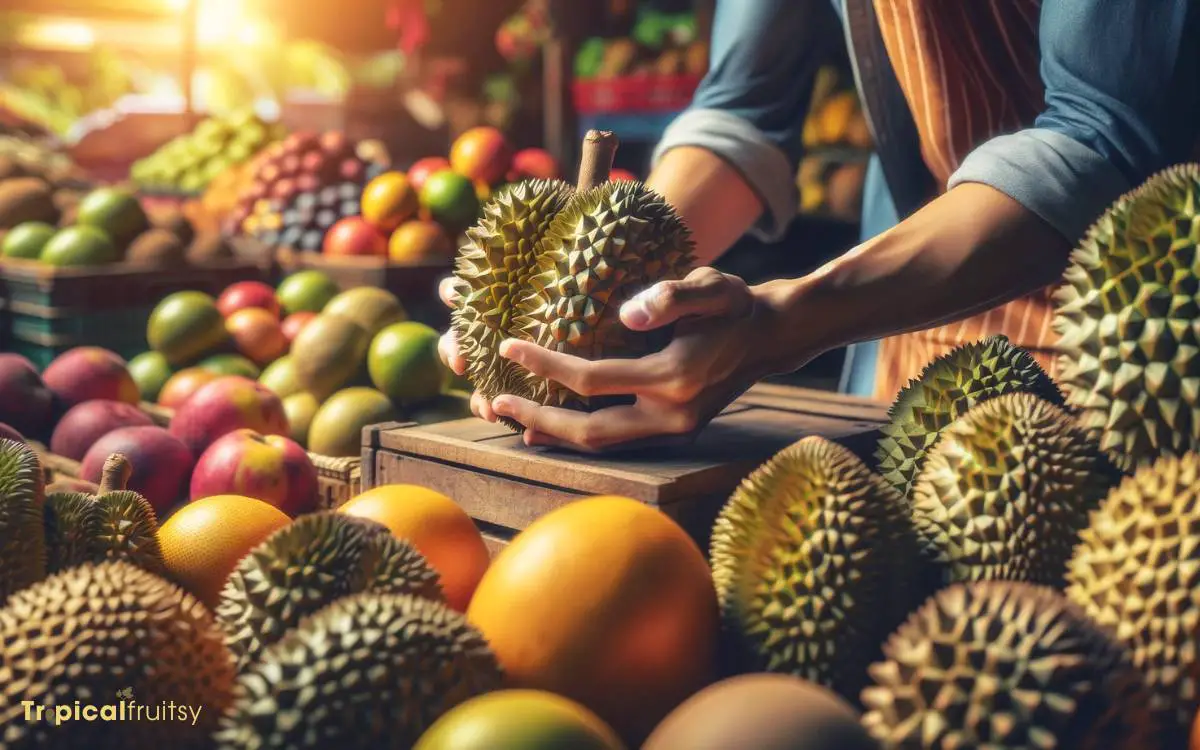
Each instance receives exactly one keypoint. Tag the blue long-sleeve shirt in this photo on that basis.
(1121, 89)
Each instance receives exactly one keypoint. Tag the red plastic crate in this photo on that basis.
(634, 94)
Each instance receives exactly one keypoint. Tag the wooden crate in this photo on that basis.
(506, 485)
(415, 285)
(45, 311)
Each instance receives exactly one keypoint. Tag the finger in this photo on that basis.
(704, 292)
(448, 351)
(593, 431)
(481, 408)
(602, 377)
(450, 289)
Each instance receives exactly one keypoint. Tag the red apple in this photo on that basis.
(482, 154)
(422, 168)
(294, 324)
(533, 164)
(270, 468)
(354, 236)
(85, 423)
(226, 404)
(86, 373)
(161, 463)
(247, 294)
(25, 401)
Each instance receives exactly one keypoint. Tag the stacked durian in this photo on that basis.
(1062, 603)
(552, 264)
(331, 631)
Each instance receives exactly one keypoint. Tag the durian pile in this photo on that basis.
(330, 633)
(1033, 551)
(552, 264)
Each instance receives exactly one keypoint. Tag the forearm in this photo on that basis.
(710, 196)
(967, 251)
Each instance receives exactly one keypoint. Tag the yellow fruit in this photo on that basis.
(606, 601)
(835, 116)
(204, 540)
(519, 720)
(437, 527)
(388, 200)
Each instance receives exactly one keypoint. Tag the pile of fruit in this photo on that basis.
(102, 227)
(302, 164)
(24, 156)
(327, 363)
(659, 45)
(837, 143)
(189, 162)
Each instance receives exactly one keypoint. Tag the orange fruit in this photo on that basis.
(388, 200)
(608, 602)
(437, 527)
(180, 386)
(203, 541)
(257, 334)
(419, 241)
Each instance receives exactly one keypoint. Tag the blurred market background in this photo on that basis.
(191, 103)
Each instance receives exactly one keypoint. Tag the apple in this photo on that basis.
(25, 402)
(226, 404)
(85, 423)
(533, 164)
(180, 386)
(354, 236)
(270, 468)
(247, 294)
(422, 168)
(161, 463)
(86, 373)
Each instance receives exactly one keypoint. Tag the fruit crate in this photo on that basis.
(338, 479)
(505, 485)
(415, 285)
(45, 311)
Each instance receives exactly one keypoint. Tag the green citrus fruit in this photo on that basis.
(26, 240)
(79, 246)
(185, 326)
(117, 212)
(450, 199)
(336, 428)
(150, 370)
(403, 362)
(305, 291)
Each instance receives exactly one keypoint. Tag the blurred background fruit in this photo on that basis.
(519, 720)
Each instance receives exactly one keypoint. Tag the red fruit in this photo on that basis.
(352, 170)
(482, 154)
(245, 294)
(270, 468)
(622, 175)
(335, 144)
(161, 463)
(307, 183)
(86, 423)
(354, 236)
(226, 404)
(25, 401)
(8, 433)
(257, 335)
(285, 189)
(289, 166)
(180, 386)
(86, 373)
(422, 168)
(312, 162)
(533, 164)
(294, 324)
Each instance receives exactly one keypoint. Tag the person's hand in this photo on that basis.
(724, 341)
(449, 290)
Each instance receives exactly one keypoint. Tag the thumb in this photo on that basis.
(705, 292)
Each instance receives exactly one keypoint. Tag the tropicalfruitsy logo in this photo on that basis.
(126, 708)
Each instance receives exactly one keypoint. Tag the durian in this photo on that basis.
(116, 524)
(94, 631)
(1137, 572)
(1005, 665)
(552, 265)
(309, 564)
(1006, 490)
(813, 560)
(1128, 319)
(945, 389)
(22, 547)
(370, 671)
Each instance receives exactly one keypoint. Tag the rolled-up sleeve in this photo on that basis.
(751, 105)
(1122, 102)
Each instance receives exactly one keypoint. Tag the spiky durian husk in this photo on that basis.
(606, 245)
(370, 671)
(308, 565)
(1006, 490)
(1128, 319)
(943, 392)
(1006, 665)
(1137, 572)
(119, 525)
(22, 547)
(91, 631)
(813, 559)
(495, 266)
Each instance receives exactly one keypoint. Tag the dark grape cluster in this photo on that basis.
(301, 223)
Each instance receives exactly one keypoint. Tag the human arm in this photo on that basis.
(1003, 228)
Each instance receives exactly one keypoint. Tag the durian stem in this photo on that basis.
(599, 148)
(115, 475)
